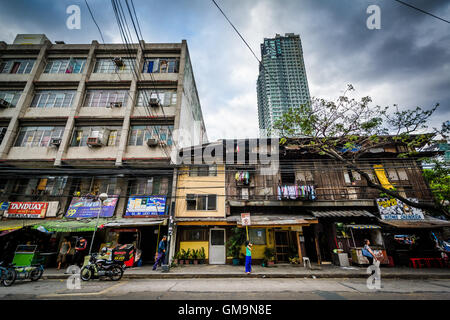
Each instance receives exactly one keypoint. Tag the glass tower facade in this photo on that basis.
(282, 82)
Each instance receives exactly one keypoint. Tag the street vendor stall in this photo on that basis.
(373, 234)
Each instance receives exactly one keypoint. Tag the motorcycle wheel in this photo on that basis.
(36, 274)
(117, 273)
(86, 273)
(10, 277)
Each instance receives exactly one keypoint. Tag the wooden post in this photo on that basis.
(246, 228)
(319, 259)
(300, 255)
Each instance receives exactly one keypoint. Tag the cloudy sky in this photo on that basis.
(406, 62)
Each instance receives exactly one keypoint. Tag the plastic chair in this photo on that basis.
(306, 259)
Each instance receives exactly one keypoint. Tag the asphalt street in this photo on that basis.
(230, 289)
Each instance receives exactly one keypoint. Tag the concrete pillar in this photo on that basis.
(24, 101)
(77, 104)
(131, 102)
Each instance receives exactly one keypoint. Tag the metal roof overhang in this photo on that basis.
(17, 224)
(138, 222)
(427, 223)
(341, 213)
(276, 221)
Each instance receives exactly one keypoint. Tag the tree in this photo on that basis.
(347, 129)
(438, 178)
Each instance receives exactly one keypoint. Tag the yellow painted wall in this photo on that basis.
(195, 245)
(196, 185)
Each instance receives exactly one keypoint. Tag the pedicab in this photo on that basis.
(28, 263)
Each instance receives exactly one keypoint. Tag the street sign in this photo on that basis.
(245, 219)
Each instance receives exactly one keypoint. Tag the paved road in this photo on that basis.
(230, 289)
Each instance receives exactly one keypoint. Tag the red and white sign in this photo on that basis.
(33, 210)
(245, 219)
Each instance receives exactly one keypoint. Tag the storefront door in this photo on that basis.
(217, 246)
(281, 246)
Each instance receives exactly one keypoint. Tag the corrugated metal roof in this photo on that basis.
(341, 213)
(363, 226)
(18, 223)
(261, 220)
(427, 223)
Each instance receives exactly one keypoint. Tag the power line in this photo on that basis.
(418, 9)
(92, 16)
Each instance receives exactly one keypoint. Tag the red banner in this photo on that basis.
(33, 210)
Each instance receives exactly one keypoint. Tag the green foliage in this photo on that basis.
(194, 254)
(269, 254)
(235, 242)
(185, 254)
(202, 254)
(438, 179)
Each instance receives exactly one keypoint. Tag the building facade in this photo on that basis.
(77, 120)
(282, 83)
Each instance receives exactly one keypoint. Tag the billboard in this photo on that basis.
(29, 210)
(82, 207)
(394, 209)
(146, 206)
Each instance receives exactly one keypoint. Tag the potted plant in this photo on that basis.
(295, 260)
(177, 257)
(182, 256)
(202, 255)
(235, 243)
(194, 256)
(188, 257)
(269, 256)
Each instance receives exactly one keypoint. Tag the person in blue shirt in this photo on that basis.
(161, 252)
(248, 257)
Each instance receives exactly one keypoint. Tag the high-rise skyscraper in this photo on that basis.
(282, 82)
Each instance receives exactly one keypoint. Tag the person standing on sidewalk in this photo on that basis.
(368, 252)
(80, 249)
(63, 252)
(161, 252)
(248, 257)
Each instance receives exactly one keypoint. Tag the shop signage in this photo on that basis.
(4, 205)
(394, 209)
(146, 206)
(29, 210)
(90, 208)
(245, 219)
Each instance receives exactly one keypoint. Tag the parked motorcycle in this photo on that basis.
(97, 268)
(7, 274)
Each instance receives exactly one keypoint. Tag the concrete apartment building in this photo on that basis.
(282, 83)
(77, 120)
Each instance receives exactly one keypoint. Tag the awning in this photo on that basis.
(134, 222)
(71, 225)
(199, 221)
(362, 226)
(274, 221)
(341, 213)
(427, 223)
(17, 224)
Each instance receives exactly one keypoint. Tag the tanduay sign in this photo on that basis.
(33, 210)
(394, 209)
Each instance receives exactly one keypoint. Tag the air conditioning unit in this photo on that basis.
(94, 142)
(55, 142)
(154, 103)
(118, 61)
(4, 103)
(152, 142)
(115, 105)
(190, 197)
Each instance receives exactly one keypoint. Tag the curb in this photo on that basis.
(266, 276)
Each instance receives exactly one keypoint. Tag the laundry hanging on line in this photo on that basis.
(242, 176)
(293, 192)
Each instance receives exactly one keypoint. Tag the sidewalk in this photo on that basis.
(277, 271)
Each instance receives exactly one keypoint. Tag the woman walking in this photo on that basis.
(248, 257)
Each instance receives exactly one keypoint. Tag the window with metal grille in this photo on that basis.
(37, 136)
(53, 99)
(65, 65)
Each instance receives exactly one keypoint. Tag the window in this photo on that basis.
(109, 66)
(53, 99)
(257, 236)
(149, 186)
(194, 235)
(65, 66)
(203, 171)
(109, 136)
(104, 98)
(19, 66)
(37, 136)
(201, 202)
(2, 133)
(12, 97)
(165, 97)
(140, 134)
(161, 65)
